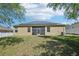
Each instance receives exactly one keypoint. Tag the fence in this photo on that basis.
(5, 34)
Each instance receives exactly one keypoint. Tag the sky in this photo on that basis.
(40, 12)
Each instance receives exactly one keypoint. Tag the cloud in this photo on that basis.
(41, 11)
(69, 22)
(29, 5)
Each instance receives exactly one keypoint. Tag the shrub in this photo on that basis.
(10, 41)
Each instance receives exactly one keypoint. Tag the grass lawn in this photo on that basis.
(35, 46)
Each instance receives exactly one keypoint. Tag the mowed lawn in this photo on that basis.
(39, 46)
(21, 45)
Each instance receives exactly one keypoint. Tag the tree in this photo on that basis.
(11, 11)
(71, 10)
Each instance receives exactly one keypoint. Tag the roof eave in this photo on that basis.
(40, 25)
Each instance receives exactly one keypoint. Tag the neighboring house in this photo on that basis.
(5, 31)
(73, 28)
(40, 28)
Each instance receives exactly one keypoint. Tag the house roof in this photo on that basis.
(39, 23)
(3, 29)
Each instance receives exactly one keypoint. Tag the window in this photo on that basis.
(28, 29)
(72, 26)
(48, 29)
(16, 30)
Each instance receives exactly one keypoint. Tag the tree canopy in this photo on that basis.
(11, 11)
(71, 10)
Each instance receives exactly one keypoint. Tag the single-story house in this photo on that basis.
(40, 28)
(3, 29)
(4, 32)
(73, 28)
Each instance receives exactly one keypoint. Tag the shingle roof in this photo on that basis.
(39, 23)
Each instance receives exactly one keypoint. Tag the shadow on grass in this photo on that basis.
(72, 41)
(6, 41)
(61, 46)
(45, 36)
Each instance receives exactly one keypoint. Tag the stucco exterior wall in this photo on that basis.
(23, 31)
(53, 31)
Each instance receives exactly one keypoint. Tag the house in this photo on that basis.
(73, 28)
(5, 31)
(39, 28)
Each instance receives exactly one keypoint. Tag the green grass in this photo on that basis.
(35, 46)
(21, 45)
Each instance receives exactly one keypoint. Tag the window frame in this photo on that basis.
(28, 29)
(16, 30)
(48, 29)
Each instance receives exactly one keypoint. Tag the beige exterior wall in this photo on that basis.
(23, 31)
(53, 31)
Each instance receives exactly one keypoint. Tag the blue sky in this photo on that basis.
(40, 12)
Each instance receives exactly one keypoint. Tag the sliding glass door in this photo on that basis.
(38, 30)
